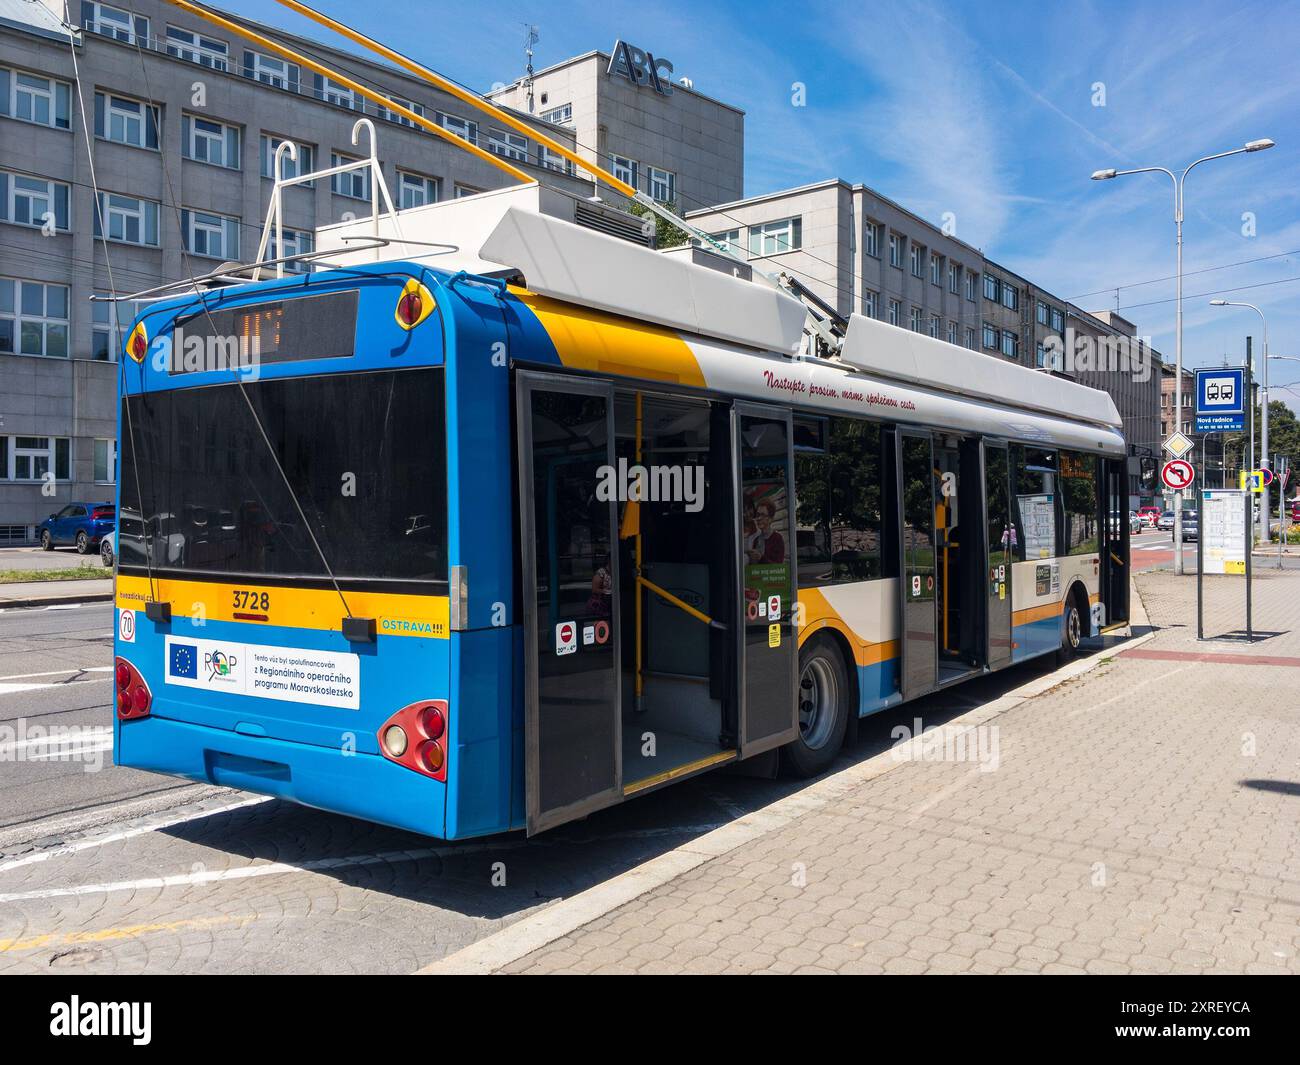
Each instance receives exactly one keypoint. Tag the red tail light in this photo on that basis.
(408, 309)
(134, 699)
(102, 512)
(414, 305)
(415, 737)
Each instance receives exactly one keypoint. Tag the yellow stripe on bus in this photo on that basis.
(395, 614)
(587, 339)
(819, 614)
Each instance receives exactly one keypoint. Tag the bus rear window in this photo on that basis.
(365, 454)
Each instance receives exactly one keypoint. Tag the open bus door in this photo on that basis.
(917, 544)
(1114, 548)
(1000, 540)
(767, 643)
(572, 725)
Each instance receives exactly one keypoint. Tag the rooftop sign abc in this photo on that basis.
(640, 68)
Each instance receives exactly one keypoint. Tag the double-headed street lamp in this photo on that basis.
(1263, 402)
(1179, 180)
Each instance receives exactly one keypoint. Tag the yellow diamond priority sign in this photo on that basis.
(1179, 445)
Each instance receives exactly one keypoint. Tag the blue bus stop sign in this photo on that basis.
(1220, 400)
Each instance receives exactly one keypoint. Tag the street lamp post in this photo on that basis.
(1263, 402)
(1179, 181)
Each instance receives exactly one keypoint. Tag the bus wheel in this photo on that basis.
(823, 694)
(1071, 630)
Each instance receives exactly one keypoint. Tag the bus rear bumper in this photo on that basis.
(367, 786)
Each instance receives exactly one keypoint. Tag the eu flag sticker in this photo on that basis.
(184, 661)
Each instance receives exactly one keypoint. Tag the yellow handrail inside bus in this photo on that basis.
(681, 604)
(356, 87)
(464, 95)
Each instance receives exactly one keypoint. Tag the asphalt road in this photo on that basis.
(31, 558)
(56, 691)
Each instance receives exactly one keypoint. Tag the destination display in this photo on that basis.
(304, 327)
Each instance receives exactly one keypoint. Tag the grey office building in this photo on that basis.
(183, 120)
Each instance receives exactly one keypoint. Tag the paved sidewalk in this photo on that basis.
(1141, 817)
(43, 593)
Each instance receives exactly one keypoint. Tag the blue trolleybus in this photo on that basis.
(448, 551)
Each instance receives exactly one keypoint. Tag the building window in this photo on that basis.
(511, 145)
(872, 239)
(990, 288)
(954, 278)
(895, 312)
(936, 269)
(1010, 296)
(105, 336)
(28, 201)
(624, 169)
(33, 318)
(401, 120)
(105, 461)
(331, 92)
(127, 219)
(269, 70)
(933, 328)
(731, 238)
(206, 51)
(465, 190)
(972, 284)
(1010, 344)
(990, 337)
(952, 332)
(354, 184)
(209, 142)
(29, 98)
(661, 184)
(1058, 321)
(775, 238)
(1041, 313)
(33, 458)
(917, 259)
(561, 116)
(213, 235)
(870, 303)
(1040, 355)
(895, 250)
(551, 160)
(126, 121)
(461, 127)
(970, 337)
(415, 190)
(296, 242)
(114, 22)
(288, 166)
(914, 320)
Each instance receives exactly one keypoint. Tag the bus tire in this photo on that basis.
(824, 693)
(1074, 624)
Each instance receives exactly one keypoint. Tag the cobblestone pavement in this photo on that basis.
(1141, 818)
(1122, 828)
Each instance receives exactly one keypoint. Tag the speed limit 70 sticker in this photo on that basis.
(126, 626)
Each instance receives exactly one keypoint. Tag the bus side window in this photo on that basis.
(812, 502)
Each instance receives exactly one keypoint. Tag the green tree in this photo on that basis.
(1283, 439)
(667, 235)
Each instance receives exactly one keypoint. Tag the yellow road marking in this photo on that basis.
(109, 935)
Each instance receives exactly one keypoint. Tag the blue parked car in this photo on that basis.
(81, 525)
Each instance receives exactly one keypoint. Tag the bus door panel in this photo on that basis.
(1114, 553)
(767, 651)
(1000, 541)
(572, 724)
(916, 478)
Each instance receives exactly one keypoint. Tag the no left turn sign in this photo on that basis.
(1177, 474)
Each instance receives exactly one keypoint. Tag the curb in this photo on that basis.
(565, 916)
(51, 600)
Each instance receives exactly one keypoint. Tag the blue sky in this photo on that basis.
(985, 110)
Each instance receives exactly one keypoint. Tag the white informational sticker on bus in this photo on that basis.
(293, 674)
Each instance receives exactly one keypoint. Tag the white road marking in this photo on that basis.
(65, 606)
(15, 689)
(449, 850)
(130, 833)
(59, 672)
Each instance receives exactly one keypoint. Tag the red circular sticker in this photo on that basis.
(602, 631)
(566, 633)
